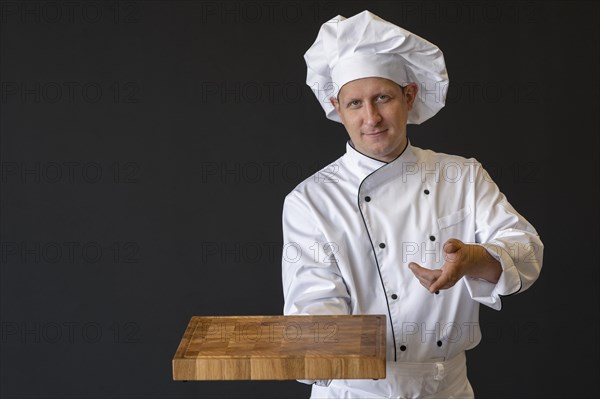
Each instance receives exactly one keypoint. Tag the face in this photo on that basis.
(374, 111)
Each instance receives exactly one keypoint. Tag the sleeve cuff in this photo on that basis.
(509, 283)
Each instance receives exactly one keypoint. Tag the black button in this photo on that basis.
(382, 245)
(394, 296)
(367, 198)
(437, 292)
(403, 348)
(439, 343)
(426, 192)
(432, 238)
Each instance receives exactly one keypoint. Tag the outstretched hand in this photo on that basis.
(460, 260)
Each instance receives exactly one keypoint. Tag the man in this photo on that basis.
(393, 229)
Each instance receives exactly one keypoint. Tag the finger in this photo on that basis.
(425, 281)
(425, 276)
(424, 284)
(422, 273)
(439, 284)
(445, 281)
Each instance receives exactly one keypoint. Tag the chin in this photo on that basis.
(381, 152)
(384, 153)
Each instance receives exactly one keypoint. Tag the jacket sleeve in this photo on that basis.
(508, 237)
(312, 282)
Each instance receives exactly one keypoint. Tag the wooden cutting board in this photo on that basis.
(281, 348)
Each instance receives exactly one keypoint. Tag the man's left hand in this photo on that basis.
(460, 260)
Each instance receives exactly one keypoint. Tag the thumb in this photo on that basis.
(452, 245)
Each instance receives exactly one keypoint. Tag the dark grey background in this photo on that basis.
(147, 147)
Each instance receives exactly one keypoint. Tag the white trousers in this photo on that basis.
(447, 380)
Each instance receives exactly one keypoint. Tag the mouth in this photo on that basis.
(375, 133)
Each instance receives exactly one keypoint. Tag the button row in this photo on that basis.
(403, 347)
(382, 245)
(367, 198)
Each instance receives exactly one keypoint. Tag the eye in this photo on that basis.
(353, 104)
(383, 98)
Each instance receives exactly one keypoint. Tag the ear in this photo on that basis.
(410, 91)
(335, 103)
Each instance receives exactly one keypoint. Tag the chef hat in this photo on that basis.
(367, 46)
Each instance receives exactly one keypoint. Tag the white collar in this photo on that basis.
(359, 163)
(363, 165)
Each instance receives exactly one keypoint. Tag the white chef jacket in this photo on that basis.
(350, 231)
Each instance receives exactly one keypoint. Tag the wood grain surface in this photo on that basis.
(281, 348)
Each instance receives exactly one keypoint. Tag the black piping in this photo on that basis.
(516, 292)
(373, 248)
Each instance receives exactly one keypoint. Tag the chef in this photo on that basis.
(389, 228)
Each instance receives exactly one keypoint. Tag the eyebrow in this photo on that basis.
(386, 92)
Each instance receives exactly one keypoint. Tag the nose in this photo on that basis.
(372, 115)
